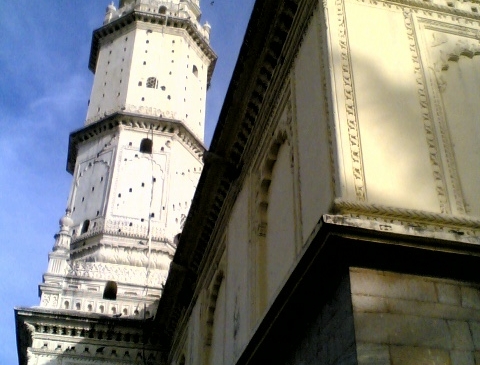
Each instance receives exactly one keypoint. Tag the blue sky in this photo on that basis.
(44, 88)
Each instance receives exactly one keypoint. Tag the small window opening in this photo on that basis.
(85, 226)
(162, 10)
(89, 308)
(146, 145)
(66, 304)
(152, 82)
(110, 292)
(139, 83)
(77, 306)
(102, 309)
(195, 70)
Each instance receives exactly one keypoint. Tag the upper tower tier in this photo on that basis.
(152, 58)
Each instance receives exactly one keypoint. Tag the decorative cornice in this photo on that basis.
(446, 222)
(119, 118)
(151, 18)
(73, 328)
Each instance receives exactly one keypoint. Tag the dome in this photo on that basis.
(66, 221)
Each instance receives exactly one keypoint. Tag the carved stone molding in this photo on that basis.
(428, 122)
(459, 225)
(447, 43)
(358, 172)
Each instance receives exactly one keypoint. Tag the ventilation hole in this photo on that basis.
(93, 188)
(152, 215)
(147, 41)
(130, 190)
(143, 99)
(129, 143)
(83, 199)
(101, 179)
(98, 213)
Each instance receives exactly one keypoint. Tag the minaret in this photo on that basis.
(136, 161)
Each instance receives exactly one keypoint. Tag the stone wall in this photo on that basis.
(408, 319)
(329, 337)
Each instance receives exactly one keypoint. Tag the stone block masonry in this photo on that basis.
(409, 319)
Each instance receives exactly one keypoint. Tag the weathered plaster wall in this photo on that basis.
(239, 281)
(311, 126)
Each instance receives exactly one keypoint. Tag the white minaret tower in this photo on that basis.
(135, 165)
(136, 161)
